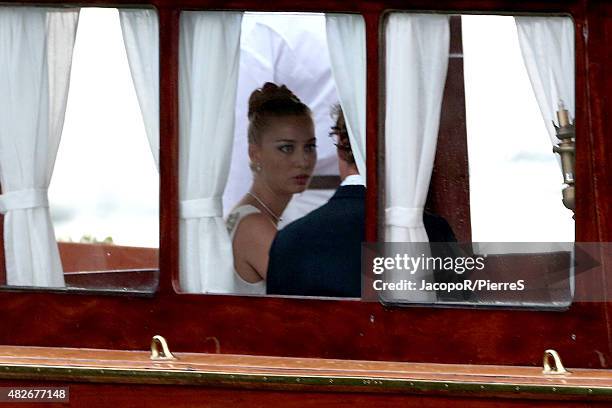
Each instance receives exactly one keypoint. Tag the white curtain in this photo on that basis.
(140, 30)
(208, 64)
(547, 45)
(346, 41)
(35, 57)
(417, 49)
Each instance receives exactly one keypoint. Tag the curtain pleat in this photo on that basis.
(36, 46)
(208, 77)
(346, 41)
(547, 45)
(417, 50)
(140, 30)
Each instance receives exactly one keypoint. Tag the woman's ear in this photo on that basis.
(255, 154)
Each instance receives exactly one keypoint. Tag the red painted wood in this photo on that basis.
(342, 328)
(116, 259)
(104, 395)
(169, 148)
(123, 280)
(596, 152)
(449, 189)
(374, 55)
(77, 257)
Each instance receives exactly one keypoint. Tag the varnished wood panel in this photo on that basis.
(302, 376)
(343, 328)
(259, 366)
(596, 153)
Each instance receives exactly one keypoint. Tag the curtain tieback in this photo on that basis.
(405, 217)
(23, 199)
(210, 207)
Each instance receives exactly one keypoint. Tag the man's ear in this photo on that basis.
(344, 156)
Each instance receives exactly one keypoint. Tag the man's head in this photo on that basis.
(339, 132)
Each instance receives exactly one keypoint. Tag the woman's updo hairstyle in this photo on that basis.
(272, 101)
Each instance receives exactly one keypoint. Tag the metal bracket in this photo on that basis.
(557, 365)
(566, 133)
(164, 354)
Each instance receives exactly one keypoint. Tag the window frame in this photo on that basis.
(374, 332)
(455, 47)
(132, 270)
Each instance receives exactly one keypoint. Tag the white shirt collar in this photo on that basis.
(353, 180)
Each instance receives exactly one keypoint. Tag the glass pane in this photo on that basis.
(286, 93)
(488, 99)
(103, 193)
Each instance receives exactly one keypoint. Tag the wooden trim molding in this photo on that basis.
(292, 374)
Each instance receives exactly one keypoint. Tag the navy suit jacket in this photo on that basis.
(320, 253)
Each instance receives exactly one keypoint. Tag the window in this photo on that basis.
(307, 53)
(100, 167)
(454, 93)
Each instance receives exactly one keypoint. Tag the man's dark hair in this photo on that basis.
(341, 136)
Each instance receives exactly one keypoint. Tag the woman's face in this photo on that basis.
(287, 154)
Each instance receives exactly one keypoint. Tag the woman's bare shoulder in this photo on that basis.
(256, 226)
(252, 243)
(237, 215)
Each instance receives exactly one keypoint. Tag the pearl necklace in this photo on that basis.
(276, 217)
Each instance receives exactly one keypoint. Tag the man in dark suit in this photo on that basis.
(320, 253)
